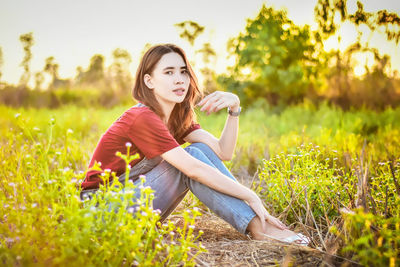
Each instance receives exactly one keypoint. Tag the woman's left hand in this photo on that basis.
(219, 100)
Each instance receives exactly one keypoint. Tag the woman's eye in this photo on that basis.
(169, 72)
(184, 72)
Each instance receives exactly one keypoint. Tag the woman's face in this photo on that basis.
(169, 80)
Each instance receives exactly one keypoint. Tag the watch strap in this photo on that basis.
(234, 114)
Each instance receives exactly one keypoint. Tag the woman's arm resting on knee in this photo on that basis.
(211, 177)
(225, 145)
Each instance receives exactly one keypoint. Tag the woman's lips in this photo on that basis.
(179, 91)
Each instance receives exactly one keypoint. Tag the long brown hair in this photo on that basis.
(183, 115)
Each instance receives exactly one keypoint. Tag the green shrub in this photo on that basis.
(44, 222)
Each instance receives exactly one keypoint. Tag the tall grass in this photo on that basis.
(331, 174)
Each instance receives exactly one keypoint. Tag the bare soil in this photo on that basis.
(228, 247)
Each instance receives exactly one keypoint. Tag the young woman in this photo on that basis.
(167, 91)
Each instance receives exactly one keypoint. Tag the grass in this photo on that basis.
(328, 173)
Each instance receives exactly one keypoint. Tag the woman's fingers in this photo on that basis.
(217, 101)
(209, 101)
(276, 222)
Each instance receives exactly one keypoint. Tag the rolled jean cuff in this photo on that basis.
(245, 223)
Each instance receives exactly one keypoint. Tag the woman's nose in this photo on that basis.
(179, 79)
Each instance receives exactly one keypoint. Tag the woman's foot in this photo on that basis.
(273, 232)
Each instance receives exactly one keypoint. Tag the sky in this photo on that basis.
(73, 31)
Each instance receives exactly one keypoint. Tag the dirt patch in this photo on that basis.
(227, 247)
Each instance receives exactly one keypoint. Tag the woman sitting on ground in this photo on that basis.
(164, 119)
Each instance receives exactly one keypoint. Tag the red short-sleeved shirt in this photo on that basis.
(144, 130)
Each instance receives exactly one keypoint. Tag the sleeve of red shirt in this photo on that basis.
(193, 127)
(150, 135)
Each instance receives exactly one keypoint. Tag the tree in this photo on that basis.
(39, 79)
(95, 73)
(51, 67)
(209, 56)
(189, 30)
(27, 43)
(377, 89)
(120, 69)
(326, 11)
(275, 59)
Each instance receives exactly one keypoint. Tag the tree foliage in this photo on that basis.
(274, 59)
(326, 11)
(95, 73)
(27, 43)
(119, 69)
(189, 30)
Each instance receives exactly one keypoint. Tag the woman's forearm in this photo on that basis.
(228, 138)
(207, 175)
(216, 180)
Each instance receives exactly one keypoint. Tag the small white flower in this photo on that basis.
(171, 233)
(36, 129)
(128, 144)
(17, 115)
(12, 184)
(69, 131)
(131, 210)
(144, 213)
(192, 226)
(58, 153)
(157, 211)
(34, 205)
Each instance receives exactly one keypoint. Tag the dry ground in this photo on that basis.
(227, 247)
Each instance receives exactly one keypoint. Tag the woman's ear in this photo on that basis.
(147, 81)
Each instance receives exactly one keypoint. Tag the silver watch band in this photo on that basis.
(234, 114)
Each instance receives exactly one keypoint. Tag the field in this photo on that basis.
(330, 174)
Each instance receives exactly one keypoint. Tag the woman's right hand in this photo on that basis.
(256, 204)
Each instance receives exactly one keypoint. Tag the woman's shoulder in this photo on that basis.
(139, 112)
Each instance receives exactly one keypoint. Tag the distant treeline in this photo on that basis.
(276, 61)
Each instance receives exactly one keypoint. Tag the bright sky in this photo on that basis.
(73, 31)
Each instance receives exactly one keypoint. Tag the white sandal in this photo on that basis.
(298, 239)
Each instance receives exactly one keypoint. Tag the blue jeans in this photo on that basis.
(171, 185)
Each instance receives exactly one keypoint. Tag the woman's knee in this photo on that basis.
(195, 151)
(203, 147)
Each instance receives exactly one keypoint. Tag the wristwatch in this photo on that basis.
(234, 114)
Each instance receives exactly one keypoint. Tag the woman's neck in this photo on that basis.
(167, 110)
